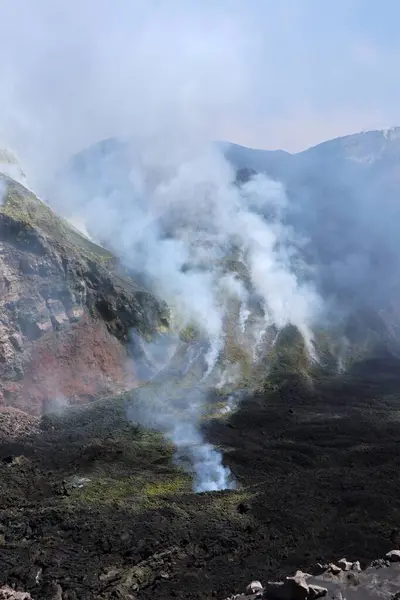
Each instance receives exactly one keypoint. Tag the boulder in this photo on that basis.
(255, 587)
(316, 591)
(320, 568)
(393, 556)
(334, 569)
(301, 575)
(294, 588)
(356, 566)
(7, 593)
(345, 565)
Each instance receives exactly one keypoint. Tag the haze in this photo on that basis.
(260, 73)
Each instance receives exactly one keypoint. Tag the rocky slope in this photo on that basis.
(343, 209)
(93, 506)
(66, 311)
(338, 581)
(344, 196)
(334, 207)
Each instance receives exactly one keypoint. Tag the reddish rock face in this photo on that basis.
(65, 311)
(71, 366)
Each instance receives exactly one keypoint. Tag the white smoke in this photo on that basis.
(10, 167)
(3, 191)
(176, 223)
(177, 413)
(57, 405)
(170, 77)
(210, 474)
(77, 224)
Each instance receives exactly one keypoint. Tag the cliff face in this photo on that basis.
(65, 311)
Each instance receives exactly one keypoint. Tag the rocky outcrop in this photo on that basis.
(7, 593)
(291, 588)
(393, 556)
(15, 423)
(65, 310)
(345, 579)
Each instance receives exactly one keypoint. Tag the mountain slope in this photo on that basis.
(94, 506)
(66, 311)
(344, 199)
(343, 211)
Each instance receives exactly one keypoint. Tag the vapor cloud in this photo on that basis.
(176, 220)
(273, 75)
(166, 78)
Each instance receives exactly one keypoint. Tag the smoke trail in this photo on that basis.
(177, 411)
(178, 223)
(164, 200)
(210, 473)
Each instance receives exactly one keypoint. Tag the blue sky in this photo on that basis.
(265, 73)
(333, 66)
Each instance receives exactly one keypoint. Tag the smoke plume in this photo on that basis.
(176, 223)
(177, 412)
(165, 80)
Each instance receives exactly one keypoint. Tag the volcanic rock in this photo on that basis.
(356, 566)
(393, 555)
(344, 564)
(15, 423)
(294, 588)
(7, 593)
(255, 587)
(334, 569)
(66, 311)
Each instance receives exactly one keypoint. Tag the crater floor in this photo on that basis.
(96, 505)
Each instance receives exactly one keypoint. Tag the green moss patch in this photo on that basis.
(23, 206)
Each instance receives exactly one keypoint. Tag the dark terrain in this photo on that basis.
(319, 477)
(92, 506)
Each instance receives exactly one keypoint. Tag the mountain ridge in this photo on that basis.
(388, 134)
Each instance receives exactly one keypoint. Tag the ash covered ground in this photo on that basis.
(95, 505)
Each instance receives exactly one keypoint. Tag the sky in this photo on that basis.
(261, 73)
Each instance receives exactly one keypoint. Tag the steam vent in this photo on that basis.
(199, 340)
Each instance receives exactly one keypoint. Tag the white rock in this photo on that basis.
(356, 566)
(300, 574)
(334, 569)
(393, 555)
(254, 587)
(316, 591)
(344, 564)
